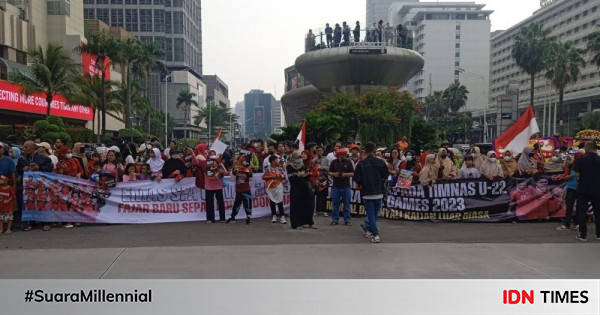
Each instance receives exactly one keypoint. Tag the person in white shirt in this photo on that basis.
(468, 171)
(331, 156)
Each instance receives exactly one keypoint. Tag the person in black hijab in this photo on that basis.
(175, 166)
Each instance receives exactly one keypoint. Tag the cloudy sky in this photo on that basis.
(248, 43)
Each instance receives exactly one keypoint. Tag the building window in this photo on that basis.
(101, 1)
(167, 3)
(458, 26)
(177, 3)
(145, 1)
(145, 20)
(178, 22)
(131, 20)
(159, 21)
(168, 24)
(116, 1)
(89, 2)
(457, 45)
(116, 17)
(60, 7)
(146, 40)
(102, 15)
(457, 63)
(159, 2)
(457, 55)
(134, 2)
(168, 49)
(89, 14)
(178, 49)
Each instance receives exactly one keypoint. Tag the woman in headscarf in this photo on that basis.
(509, 165)
(429, 172)
(477, 158)
(156, 164)
(446, 169)
(527, 162)
(301, 195)
(201, 151)
(490, 168)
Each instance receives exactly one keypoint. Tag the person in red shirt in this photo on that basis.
(7, 204)
(243, 175)
(67, 165)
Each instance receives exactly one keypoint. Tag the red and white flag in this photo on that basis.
(218, 134)
(302, 137)
(516, 138)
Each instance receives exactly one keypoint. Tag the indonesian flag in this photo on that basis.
(218, 134)
(517, 136)
(302, 137)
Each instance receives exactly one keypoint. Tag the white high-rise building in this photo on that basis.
(378, 10)
(567, 20)
(454, 39)
(276, 117)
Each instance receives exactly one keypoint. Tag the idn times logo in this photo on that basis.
(513, 297)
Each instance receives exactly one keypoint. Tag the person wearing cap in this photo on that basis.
(341, 170)
(45, 149)
(32, 160)
(7, 204)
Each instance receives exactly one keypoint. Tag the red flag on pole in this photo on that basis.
(218, 134)
(302, 137)
(517, 136)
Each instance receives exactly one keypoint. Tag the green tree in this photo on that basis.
(106, 50)
(591, 120)
(52, 72)
(435, 106)
(218, 117)
(185, 100)
(593, 47)
(89, 93)
(530, 50)
(456, 96)
(564, 66)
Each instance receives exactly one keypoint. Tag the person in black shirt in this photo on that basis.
(587, 169)
(341, 170)
(346, 33)
(356, 32)
(337, 35)
(329, 34)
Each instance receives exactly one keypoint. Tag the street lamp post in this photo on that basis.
(167, 77)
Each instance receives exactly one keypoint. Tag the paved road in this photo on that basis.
(266, 250)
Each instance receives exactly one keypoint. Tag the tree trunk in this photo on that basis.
(532, 89)
(561, 96)
(49, 104)
(103, 92)
(128, 103)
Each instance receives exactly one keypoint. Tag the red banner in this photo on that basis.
(11, 98)
(88, 66)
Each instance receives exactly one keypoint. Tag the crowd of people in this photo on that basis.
(309, 173)
(343, 35)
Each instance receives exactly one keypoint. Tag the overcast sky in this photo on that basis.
(248, 43)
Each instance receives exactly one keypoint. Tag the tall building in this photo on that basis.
(276, 117)
(240, 113)
(26, 25)
(217, 91)
(567, 20)
(258, 112)
(378, 10)
(454, 38)
(175, 24)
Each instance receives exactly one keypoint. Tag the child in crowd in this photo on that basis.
(7, 204)
(274, 176)
(130, 173)
(144, 173)
(468, 170)
(243, 195)
(95, 172)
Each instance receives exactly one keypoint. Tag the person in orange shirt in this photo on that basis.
(274, 177)
(403, 144)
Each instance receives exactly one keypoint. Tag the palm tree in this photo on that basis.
(456, 96)
(130, 52)
(564, 66)
(593, 46)
(106, 50)
(146, 62)
(436, 106)
(529, 51)
(89, 93)
(185, 100)
(220, 117)
(52, 72)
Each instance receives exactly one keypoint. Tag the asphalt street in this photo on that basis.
(266, 250)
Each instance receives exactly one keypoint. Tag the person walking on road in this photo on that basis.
(587, 169)
(371, 174)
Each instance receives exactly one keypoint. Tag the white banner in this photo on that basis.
(55, 198)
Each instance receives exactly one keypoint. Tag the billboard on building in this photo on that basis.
(11, 98)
